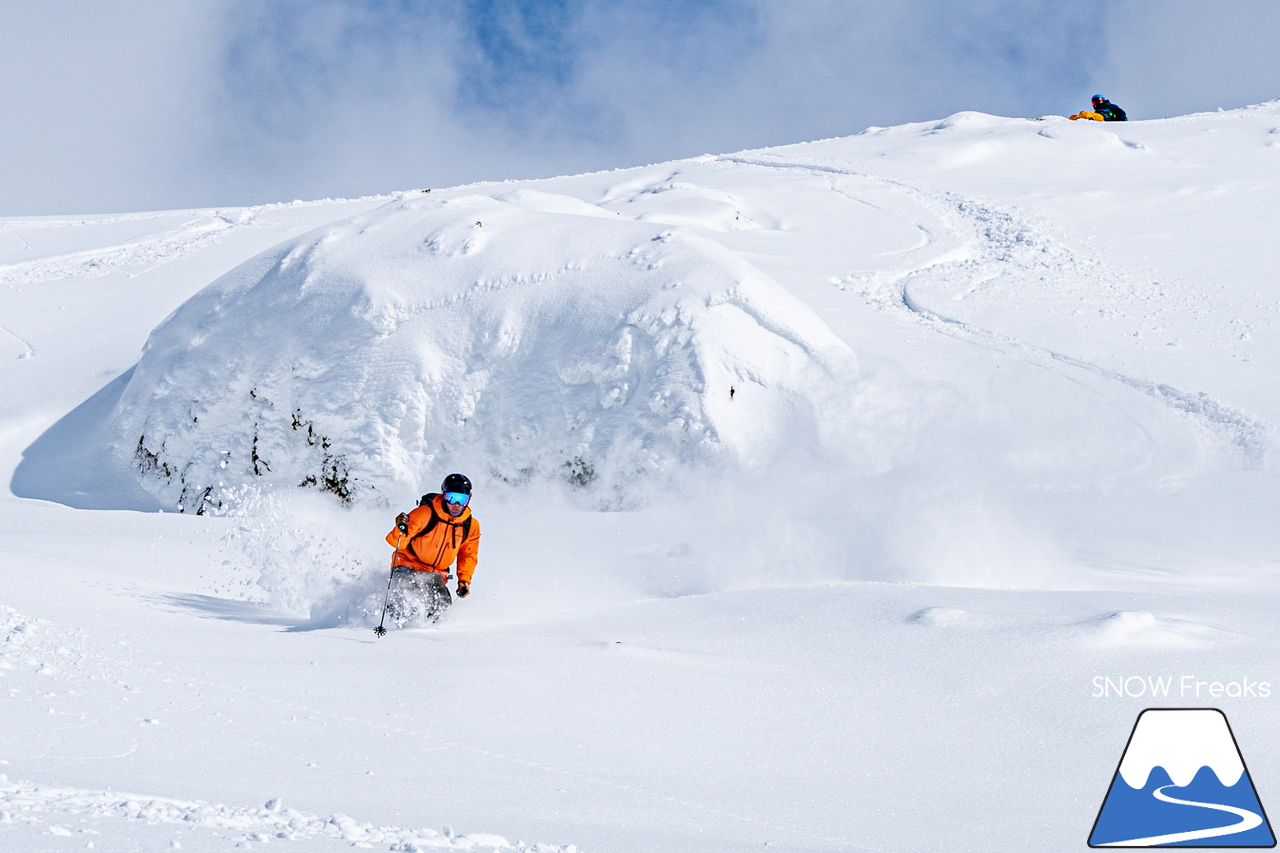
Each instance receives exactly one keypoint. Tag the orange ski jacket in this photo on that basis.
(435, 538)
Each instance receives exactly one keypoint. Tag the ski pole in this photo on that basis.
(379, 631)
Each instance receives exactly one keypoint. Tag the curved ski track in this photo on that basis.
(1015, 241)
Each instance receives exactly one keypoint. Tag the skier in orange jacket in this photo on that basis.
(427, 541)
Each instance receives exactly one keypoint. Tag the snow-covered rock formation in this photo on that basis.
(523, 336)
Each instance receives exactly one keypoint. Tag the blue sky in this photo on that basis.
(147, 104)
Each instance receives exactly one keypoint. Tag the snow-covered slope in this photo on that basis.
(979, 352)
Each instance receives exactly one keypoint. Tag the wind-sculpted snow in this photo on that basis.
(52, 809)
(522, 337)
(1141, 628)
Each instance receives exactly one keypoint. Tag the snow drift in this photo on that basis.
(523, 336)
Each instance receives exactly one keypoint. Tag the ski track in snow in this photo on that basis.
(8, 229)
(38, 647)
(150, 252)
(201, 228)
(46, 805)
(1247, 434)
(28, 350)
(1008, 241)
(35, 647)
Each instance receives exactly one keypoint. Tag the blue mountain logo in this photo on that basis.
(1182, 783)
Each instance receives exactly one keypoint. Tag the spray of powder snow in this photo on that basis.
(298, 553)
(542, 557)
(893, 503)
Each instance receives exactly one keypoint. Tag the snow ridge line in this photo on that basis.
(1007, 236)
(76, 221)
(36, 224)
(152, 251)
(25, 802)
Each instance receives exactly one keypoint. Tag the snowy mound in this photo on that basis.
(1142, 628)
(518, 337)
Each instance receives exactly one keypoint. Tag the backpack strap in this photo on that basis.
(435, 519)
(466, 531)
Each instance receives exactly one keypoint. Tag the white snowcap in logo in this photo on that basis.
(1181, 741)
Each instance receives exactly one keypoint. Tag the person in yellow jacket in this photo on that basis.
(1103, 110)
(428, 540)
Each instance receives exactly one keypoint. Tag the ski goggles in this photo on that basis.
(457, 498)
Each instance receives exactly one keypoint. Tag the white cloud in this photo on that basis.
(119, 105)
(1179, 56)
(96, 102)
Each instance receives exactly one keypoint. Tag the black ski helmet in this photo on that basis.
(456, 483)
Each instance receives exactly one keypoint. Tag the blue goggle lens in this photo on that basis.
(457, 498)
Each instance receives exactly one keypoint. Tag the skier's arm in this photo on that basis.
(468, 553)
(417, 521)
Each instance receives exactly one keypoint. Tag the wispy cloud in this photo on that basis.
(150, 104)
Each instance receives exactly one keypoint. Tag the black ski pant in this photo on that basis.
(417, 595)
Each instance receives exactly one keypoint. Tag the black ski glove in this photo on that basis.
(464, 589)
(402, 522)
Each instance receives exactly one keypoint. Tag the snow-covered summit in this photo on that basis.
(1181, 741)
